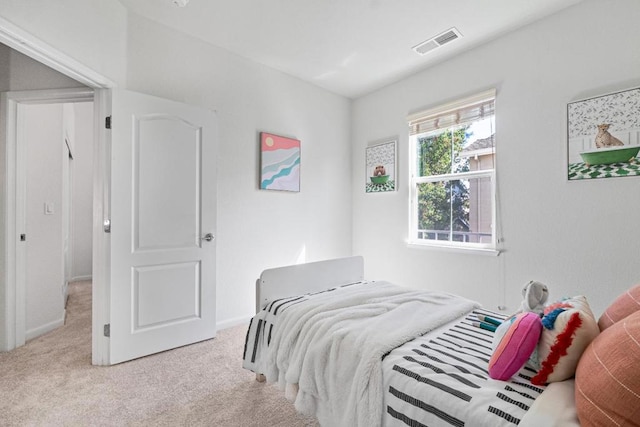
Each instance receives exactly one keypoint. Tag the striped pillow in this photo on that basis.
(624, 305)
(608, 378)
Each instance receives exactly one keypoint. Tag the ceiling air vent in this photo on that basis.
(437, 41)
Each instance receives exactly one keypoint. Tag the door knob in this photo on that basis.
(208, 237)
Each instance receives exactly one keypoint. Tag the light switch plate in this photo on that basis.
(49, 208)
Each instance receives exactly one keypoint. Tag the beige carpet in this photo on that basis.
(50, 382)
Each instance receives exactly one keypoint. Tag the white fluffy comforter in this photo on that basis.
(332, 345)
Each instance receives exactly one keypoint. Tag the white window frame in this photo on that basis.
(415, 180)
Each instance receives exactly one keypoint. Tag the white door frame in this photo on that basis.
(37, 49)
(25, 43)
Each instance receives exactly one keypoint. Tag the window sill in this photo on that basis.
(455, 249)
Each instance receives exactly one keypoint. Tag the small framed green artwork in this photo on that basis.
(381, 165)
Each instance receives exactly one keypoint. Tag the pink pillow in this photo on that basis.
(624, 305)
(521, 334)
(608, 378)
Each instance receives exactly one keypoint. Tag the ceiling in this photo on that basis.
(349, 47)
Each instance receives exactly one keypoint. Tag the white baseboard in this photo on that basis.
(41, 330)
(80, 278)
(226, 324)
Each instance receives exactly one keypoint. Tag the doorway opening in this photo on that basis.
(95, 83)
(54, 208)
(158, 185)
(42, 137)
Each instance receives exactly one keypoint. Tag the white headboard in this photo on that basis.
(305, 278)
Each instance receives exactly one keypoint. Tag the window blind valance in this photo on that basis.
(462, 111)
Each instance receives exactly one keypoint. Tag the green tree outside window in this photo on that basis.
(443, 205)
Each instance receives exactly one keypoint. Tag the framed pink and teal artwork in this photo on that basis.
(279, 163)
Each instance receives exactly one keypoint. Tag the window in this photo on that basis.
(453, 174)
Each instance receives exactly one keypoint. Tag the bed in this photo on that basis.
(354, 352)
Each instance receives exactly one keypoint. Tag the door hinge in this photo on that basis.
(23, 237)
(107, 330)
(107, 226)
(107, 122)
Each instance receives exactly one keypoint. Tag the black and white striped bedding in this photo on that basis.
(441, 379)
(261, 327)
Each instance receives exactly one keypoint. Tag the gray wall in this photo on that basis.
(577, 237)
(19, 72)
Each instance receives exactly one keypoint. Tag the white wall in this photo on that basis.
(573, 236)
(42, 133)
(44, 129)
(82, 190)
(91, 31)
(578, 237)
(257, 229)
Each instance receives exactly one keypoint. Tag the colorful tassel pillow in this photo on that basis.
(568, 328)
(515, 339)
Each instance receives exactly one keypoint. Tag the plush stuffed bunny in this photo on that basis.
(535, 295)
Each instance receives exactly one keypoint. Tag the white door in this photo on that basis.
(163, 217)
